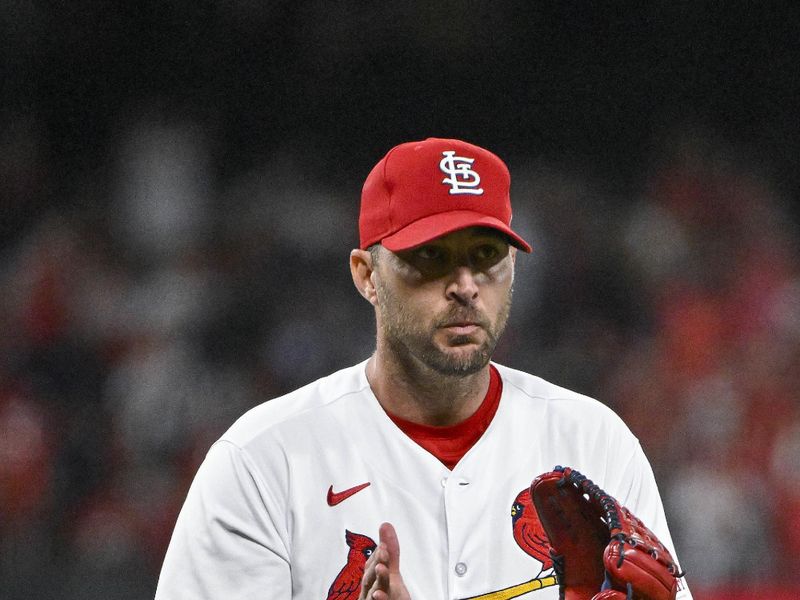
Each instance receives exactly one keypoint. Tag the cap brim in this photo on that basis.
(429, 228)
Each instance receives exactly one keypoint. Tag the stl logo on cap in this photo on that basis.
(405, 202)
(462, 180)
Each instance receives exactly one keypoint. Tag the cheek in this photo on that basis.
(418, 296)
(498, 284)
(504, 273)
(398, 305)
(498, 301)
(421, 308)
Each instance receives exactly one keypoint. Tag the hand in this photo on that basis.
(382, 579)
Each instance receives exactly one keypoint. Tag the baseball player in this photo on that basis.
(428, 445)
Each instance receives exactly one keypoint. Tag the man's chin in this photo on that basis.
(461, 360)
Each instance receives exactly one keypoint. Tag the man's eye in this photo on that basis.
(429, 253)
(484, 253)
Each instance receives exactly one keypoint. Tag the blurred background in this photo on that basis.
(179, 186)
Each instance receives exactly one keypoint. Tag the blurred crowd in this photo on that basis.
(139, 318)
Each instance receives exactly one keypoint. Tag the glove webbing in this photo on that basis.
(612, 517)
(590, 488)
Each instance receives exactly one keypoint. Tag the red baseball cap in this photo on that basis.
(423, 190)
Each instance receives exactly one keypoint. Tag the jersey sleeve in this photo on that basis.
(230, 539)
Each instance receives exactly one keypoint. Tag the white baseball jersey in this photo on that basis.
(287, 504)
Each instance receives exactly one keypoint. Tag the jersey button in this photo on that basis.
(444, 481)
(461, 569)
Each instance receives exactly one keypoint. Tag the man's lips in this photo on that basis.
(461, 328)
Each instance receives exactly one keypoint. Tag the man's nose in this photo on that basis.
(462, 286)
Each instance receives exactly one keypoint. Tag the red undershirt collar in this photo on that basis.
(450, 443)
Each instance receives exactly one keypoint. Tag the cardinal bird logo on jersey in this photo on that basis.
(530, 536)
(347, 584)
(528, 531)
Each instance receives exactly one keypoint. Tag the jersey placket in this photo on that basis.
(456, 488)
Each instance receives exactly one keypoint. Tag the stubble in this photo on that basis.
(410, 338)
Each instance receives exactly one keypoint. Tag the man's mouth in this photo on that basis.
(461, 327)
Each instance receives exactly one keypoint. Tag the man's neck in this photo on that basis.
(417, 393)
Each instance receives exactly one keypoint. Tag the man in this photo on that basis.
(427, 444)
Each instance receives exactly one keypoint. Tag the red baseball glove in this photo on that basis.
(600, 550)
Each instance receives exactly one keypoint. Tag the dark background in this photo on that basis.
(179, 187)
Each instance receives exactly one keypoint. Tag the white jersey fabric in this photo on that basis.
(257, 523)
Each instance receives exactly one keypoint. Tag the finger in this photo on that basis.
(380, 584)
(373, 558)
(368, 580)
(381, 578)
(388, 539)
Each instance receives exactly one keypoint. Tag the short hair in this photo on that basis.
(374, 251)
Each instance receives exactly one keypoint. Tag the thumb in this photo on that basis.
(388, 536)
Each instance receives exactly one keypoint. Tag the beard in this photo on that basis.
(410, 336)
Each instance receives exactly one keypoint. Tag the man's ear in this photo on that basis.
(361, 269)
